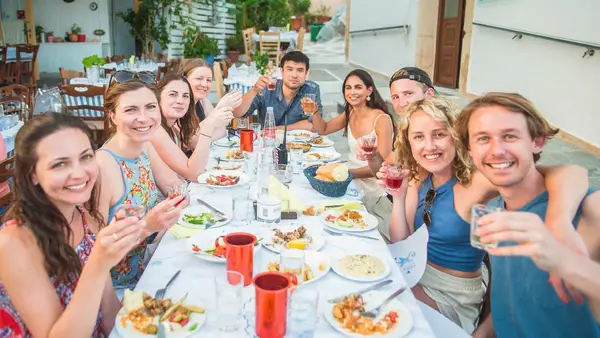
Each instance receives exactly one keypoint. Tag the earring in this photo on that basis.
(368, 98)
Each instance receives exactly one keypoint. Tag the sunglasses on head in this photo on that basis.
(121, 76)
(429, 197)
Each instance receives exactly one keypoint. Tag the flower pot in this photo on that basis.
(93, 74)
(233, 55)
(81, 37)
(73, 37)
(323, 19)
(296, 23)
(50, 38)
(210, 59)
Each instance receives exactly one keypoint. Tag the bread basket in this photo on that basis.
(329, 189)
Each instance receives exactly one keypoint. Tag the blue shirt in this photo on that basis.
(275, 99)
(449, 243)
(524, 304)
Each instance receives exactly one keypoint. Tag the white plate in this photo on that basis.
(368, 218)
(335, 267)
(317, 238)
(314, 260)
(326, 143)
(297, 135)
(372, 299)
(130, 332)
(205, 240)
(197, 210)
(229, 166)
(330, 156)
(243, 178)
(224, 142)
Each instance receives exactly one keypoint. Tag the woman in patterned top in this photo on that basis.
(133, 173)
(55, 261)
(181, 130)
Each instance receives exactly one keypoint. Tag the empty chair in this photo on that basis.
(68, 74)
(87, 102)
(270, 43)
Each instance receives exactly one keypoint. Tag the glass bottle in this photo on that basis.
(270, 129)
(268, 209)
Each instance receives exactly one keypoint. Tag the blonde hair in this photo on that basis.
(442, 110)
(538, 126)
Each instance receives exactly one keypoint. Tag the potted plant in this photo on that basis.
(322, 14)
(39, 31)
(92, 66)
(50, 36)
(74, 35)
(309, 19)
(235, 44)
(299, 9)
(199, 45)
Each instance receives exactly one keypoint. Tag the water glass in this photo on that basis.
(242, 123)
(257, 129)
(229, 288)
(302, 313)
(128, 210)
(309, 104)
(292, 261)
(178, 190)
(296, 155)
(283, 172)
(241, 204)
(477, 211)
(251, 165)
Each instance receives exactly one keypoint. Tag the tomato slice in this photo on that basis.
(195, 248)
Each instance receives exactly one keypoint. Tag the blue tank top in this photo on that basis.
(449, 243)
(524, 304)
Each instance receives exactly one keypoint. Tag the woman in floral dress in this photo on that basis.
(55, 250)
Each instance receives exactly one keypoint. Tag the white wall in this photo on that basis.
(332, 4)
(564, 86)
(389, 50)
(58, 16)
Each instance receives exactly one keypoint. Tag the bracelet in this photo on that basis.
(203, 134)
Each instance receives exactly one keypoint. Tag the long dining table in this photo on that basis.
(197, 275)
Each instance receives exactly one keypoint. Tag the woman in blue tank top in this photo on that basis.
(132, 173)
(441, 188)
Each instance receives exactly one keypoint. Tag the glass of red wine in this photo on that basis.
(368, 143)
(178, 190)
(272, 84)
(393, 177)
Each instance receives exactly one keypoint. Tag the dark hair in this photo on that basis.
(114, 92)
(32, 208)
(295, 56)
(186, 67)
(188, 124)
(376, 101)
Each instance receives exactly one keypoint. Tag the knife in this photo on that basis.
(213, 209)
(162, 332)
(365, 290)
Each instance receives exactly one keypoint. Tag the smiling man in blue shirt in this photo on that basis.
(286, 97)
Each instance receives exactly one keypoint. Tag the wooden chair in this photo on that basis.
(162, 71)
(300, 41)
(219, 80)
(248, 42)
(270, 43)
(115, 58)
(173, 65)
(25, 68)
(3, 51)
(6, 173)
(87, 102)
(68, 74)
(17, 99)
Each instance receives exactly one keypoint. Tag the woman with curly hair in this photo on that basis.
(441, 188)
(55, 250)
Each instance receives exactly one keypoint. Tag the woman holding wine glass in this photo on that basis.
(366, 121)
(438, 188)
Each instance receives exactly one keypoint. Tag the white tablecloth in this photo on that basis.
(287, 37)
(84, 81)
(139, 67)
(197, 275)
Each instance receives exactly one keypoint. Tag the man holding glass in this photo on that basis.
(293, 97)
(504, 134)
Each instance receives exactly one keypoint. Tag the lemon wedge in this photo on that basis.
(299, 244)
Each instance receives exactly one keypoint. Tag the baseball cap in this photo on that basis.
(412, 73)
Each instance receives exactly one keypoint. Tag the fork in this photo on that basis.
(375, 312)
(333, 233)
(160, 293)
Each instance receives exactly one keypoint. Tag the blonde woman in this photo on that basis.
(440, 188)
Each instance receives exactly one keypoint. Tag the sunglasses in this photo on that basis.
(121, 76)
(429, 197)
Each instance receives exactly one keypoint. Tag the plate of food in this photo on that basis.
(235, 155)
(227, 142)
(209, 245)
(301, 135)
(292, 236)
(230, 166)
(223, 179)
(349, 220)
(361, 267)
(299, 145)
(395, 319)
(321, 142)
(316, 266)
(200, 217)
(141, 314)
(322, 206)
(321, 156)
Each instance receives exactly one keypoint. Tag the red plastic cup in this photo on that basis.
(271, 303)
(240, 254)
(247, 138)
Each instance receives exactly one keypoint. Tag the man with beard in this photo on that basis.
(286, 99)
(504, 134)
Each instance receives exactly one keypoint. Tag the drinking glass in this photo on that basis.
(178, 190)
(368, 143)
(302, 313)
(242, 123)
(292, 261)
(309, 104)
(272, 84)
(257, 128)
(241, 203)
(477, 211)
(283, 172)
(393, 178)
(296, 159)
(229, 288)
(127, 210)
(251, 165)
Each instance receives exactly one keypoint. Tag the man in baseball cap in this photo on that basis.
(408, 85)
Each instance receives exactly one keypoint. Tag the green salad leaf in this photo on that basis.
(203, 218)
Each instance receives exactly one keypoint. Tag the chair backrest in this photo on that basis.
(162, 71)
(25, 67)
(6, 172)
(3, 51)
(248, 42)
(68, 74)
(219, 80)
(116, 58)
(85, 101)
(173, 65)
(300, 41)
(17, 98)
(270, 43)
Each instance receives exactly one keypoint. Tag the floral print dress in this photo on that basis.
(140, 189)
(11, 324)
